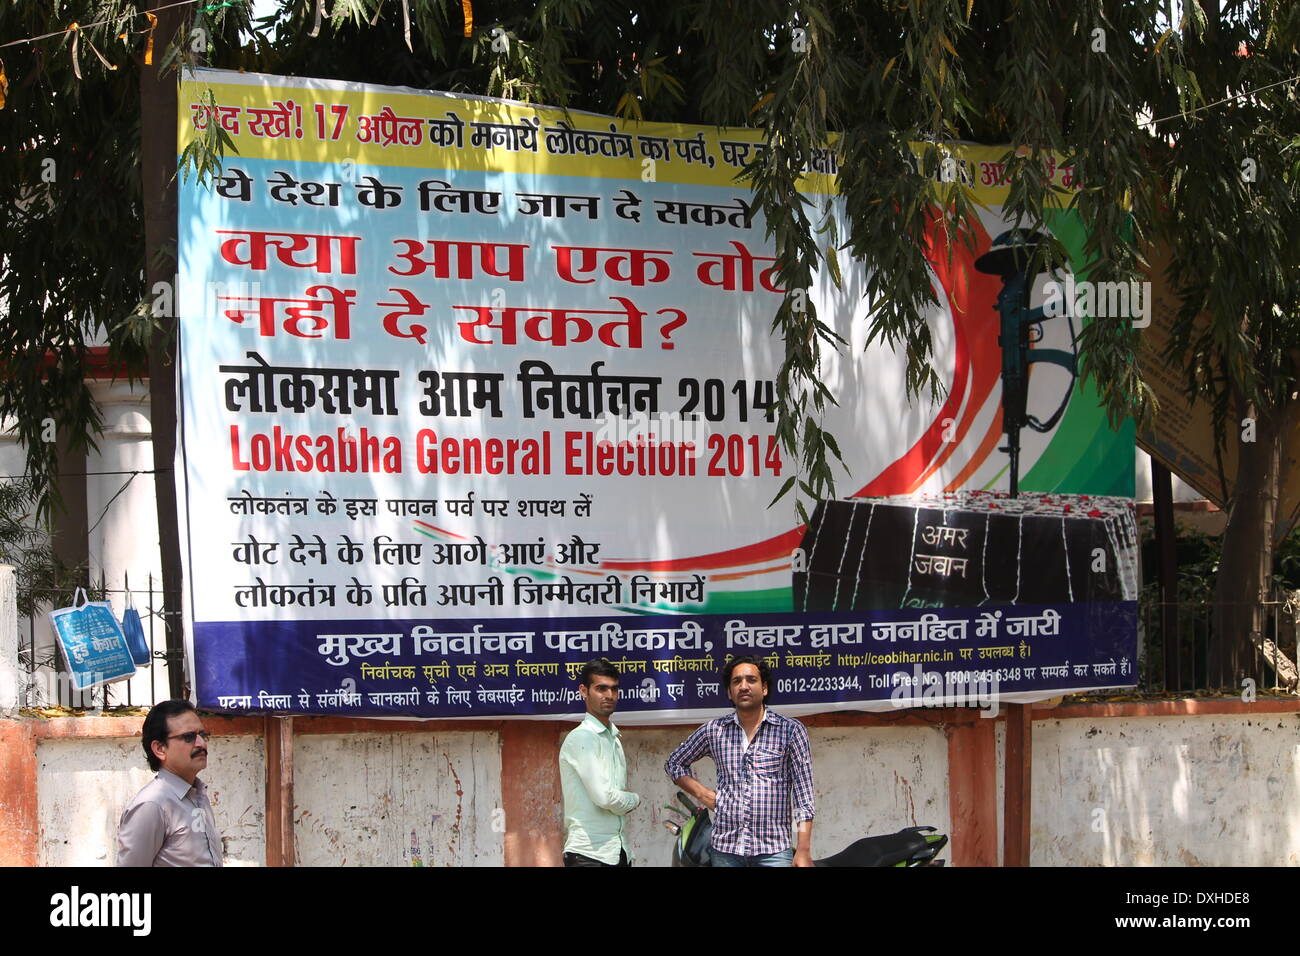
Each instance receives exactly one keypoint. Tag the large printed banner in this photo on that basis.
(475, 391)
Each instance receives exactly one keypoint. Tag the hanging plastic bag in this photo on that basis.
(133, 629)
(92, 643)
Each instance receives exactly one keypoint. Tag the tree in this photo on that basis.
(1230, 197)
(25, 545)
(1152, 112)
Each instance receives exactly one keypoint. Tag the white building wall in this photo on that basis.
(1179, 791)
(424, 799)
(123, 520)
(122, 541)
(1189, 791)
(867, 781)
(84, 784)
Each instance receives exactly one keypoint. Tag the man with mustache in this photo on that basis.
(170, 821)
(764, 765)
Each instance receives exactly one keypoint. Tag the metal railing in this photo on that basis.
(1178, 648)
(46, 682)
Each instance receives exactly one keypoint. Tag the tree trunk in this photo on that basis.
(1245, 570)
(158, 166)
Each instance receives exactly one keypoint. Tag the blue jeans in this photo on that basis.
(784, 858)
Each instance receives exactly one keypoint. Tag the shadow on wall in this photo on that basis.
(1187, 791)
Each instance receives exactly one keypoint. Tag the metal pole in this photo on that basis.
(1162, 496)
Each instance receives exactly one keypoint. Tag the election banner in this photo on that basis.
(474, 391)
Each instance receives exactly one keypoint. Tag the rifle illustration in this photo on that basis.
(1019, 327)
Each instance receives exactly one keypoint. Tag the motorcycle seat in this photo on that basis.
(888, 850)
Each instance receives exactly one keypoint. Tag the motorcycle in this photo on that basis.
(911, 846)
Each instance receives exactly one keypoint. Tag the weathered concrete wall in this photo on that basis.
(82, 786)
(1184, 791)
(1205, 790)
(873, 780)
(869, 780)
(427, 799)
(646, 751)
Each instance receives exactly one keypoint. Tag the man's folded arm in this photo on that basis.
(586, 762)
(691, 749)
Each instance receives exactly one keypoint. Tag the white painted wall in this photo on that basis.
(83, 785)
(422, 799)
(867, 781)
(1211, 791)
(1184, 791)
(646, 751)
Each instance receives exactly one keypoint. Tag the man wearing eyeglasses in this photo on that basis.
(170, 821)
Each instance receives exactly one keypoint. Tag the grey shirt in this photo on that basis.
(169, 823)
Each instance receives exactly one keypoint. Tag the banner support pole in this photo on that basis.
(278, 739)
(1018, 779)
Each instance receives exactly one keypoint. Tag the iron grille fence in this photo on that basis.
(45, 677)
(1177, 644)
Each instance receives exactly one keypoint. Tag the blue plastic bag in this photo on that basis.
(133, 630)
(92, 642)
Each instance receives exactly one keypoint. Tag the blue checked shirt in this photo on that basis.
(758, 788)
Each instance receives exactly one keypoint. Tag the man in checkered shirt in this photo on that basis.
(765, 775)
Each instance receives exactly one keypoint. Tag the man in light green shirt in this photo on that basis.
(593, 775)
